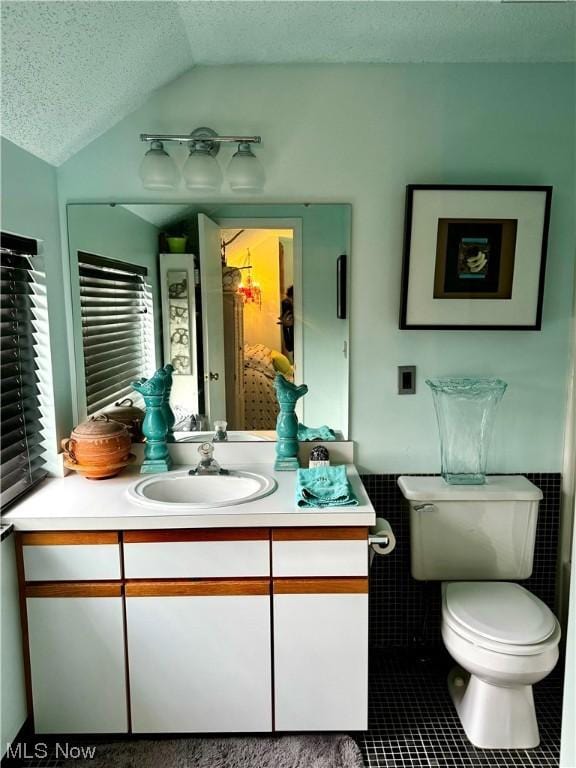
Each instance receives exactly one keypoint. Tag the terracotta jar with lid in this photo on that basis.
(125, 412)
(100, 447)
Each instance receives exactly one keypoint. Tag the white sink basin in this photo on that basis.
(179, 492)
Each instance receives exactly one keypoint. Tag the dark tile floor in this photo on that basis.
(412, 723)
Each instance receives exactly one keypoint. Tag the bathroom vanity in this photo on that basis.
(251, 618)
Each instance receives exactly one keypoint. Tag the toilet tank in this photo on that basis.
(474, 532)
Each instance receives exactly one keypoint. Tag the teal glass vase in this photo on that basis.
(287, 444)
(465, 411)
(154, 426)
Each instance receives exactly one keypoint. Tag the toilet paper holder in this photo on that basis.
(381, 539)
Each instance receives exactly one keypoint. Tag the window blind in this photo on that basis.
(23, 332)
(117, 328)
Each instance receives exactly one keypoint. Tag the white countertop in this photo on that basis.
(74, 503)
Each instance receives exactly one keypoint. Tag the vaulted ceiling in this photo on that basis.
(72, 69)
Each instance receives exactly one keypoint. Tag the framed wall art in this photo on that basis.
(474, 257)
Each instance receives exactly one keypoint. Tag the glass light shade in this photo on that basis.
(465, 410)
(201, 172)
(245, 172)
(158, 170)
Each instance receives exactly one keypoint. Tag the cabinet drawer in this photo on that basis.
(320, 552)
(196, 554)
(71, 556)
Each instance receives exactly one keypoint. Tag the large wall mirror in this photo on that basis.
(229, 294)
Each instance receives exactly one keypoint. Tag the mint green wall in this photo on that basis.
(359, 134)
(30, 208)
(115, 233)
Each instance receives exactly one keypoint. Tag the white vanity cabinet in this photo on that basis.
(198, 630)
(320, 628)
(230, 630)
(75, 627)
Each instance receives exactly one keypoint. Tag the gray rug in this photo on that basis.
(308, 751)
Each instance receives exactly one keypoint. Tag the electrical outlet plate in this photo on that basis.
(406, 379)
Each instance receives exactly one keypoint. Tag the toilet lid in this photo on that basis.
(500, 611)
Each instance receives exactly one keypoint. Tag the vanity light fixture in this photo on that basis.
(158, 170)
(201, 171)
(245, 172)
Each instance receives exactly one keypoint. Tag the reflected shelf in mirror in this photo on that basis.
(234, 436)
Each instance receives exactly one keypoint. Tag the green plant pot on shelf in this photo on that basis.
(177, 244)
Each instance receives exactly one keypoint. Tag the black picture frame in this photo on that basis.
(409, 267)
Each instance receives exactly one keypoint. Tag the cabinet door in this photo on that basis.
(77, 658)
(321, 654)
(199, 656)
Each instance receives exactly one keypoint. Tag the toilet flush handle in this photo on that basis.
(424, 508)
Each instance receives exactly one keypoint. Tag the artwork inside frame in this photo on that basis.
(178, 294)
(474, 257)
(180, 351)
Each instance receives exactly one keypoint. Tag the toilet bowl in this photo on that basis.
(504, 640)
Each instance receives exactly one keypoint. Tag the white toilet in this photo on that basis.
(474, 538)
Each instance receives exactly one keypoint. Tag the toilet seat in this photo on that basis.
(499, 616)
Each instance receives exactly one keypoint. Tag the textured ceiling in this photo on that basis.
(72, 69)
(308, 31)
